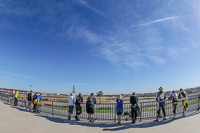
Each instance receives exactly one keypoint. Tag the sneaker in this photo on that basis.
(92, 120)
(164, 118)
(157, 118)
(69, 118)
(76, 118)
(133, 122)
(118, 122)
(184, 114)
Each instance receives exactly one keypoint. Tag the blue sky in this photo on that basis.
(110, 45)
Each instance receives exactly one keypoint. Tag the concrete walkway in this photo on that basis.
(17, 120)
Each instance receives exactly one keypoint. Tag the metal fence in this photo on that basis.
(107, 111)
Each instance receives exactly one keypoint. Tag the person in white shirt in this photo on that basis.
(71, 100)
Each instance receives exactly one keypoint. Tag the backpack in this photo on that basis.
(175, 97)
(34, 97)
(29, 97)
(162, 96)
(134, 108)
(90, 101)
(78, 100)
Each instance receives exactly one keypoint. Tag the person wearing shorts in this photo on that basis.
(71, 100)
(119, 108)
(91, 101)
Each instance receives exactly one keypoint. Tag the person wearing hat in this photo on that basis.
(160, 98)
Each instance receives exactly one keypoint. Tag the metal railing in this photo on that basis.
(107, 111)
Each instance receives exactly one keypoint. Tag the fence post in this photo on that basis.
(140, 112)
(52, 108)
(198, 102)
(22, 101)
(115, 113)
(25, 103)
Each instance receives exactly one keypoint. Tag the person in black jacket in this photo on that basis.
(91, 101)
(30, 99)
(134, 107)
(79, 101)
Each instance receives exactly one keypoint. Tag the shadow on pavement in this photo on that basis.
(106, 126)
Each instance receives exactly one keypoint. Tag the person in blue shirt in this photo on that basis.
(37, 102)
(119, 102)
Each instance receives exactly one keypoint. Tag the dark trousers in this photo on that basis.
(15, 101)
(78, 110)
(133, 115)
(174, 108)
(161, 105)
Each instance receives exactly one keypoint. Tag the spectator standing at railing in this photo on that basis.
(134, 107)
(37, 102)
(71, 100)
(29, 99)
(174, 98)
(183, 94)
(16, 96)
(34, 98)
(119, 108)
(79, 101)
(160, 98)
(91, 101)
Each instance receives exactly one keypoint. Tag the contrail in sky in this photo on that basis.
(19, 75)
(156, 21)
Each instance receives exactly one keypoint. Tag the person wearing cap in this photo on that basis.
(29, 99)
(183, 94)
(160, 98)
(174, 98)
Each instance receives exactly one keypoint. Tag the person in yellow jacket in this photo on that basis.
(15, 99)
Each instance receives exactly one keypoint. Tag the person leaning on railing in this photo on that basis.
(37, 103)
(183, 94)
(174, 98)
(119, 108)
(91, 101)
(134, 107)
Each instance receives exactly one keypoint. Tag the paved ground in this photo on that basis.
(17, 120)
